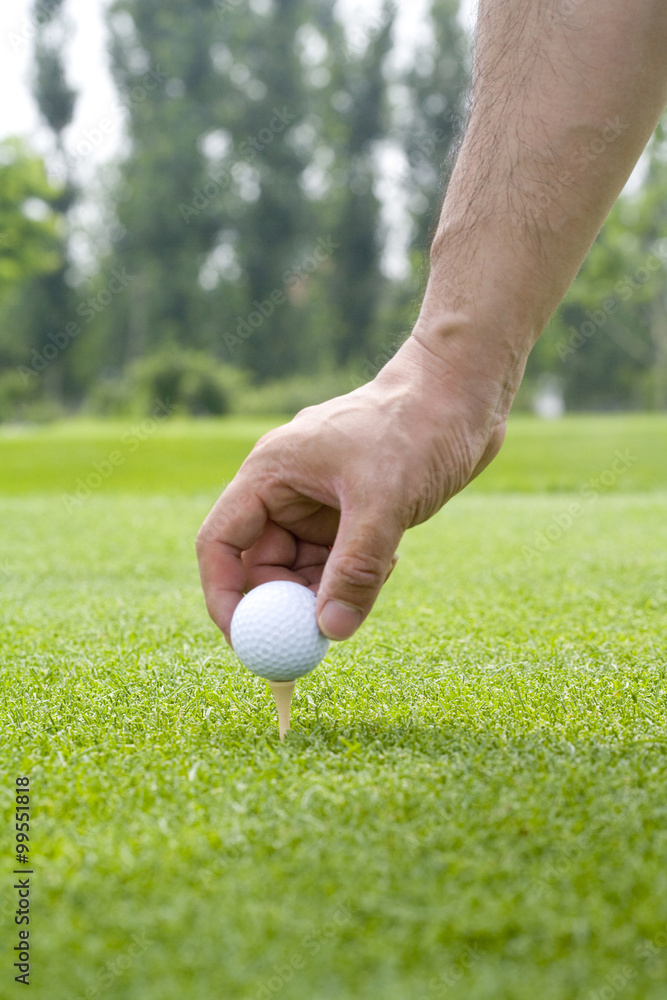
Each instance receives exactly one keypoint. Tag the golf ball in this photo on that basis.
(274, 631)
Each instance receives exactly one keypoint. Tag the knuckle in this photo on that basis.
(267, 438)
(272, 473)
(213, 527)
(206, 534)
(203, 538)
(268, 446)
(268, 459)
(361, 571)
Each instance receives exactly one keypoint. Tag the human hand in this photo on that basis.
(325, 499)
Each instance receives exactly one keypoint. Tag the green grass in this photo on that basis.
(158, 456)
(472, 802)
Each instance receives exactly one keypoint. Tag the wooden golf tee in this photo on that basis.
(282, 692)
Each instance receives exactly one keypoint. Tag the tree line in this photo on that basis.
(268, 222)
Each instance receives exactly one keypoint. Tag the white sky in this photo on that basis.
(87, 67)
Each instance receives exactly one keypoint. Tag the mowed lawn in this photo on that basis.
(472, 802)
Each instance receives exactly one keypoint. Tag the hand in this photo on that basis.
(325, 499)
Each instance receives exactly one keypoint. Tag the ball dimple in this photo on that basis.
(274, 632)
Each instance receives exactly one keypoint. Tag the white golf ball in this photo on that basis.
(274, 631)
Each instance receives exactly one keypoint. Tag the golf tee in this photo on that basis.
(282, 692)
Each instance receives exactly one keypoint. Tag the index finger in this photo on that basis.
(235, 523)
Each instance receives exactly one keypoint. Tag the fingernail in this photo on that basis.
(339, 621)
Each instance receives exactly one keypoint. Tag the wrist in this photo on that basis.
(484, 361)
(484, 279)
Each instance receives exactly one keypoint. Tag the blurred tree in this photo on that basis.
(651, 222)
(269, 107)
(162, 67)
(249, 218)
(50, 301)
(424, 105)
(434, 94)
(359, 98)
(30, 245)
(55, 98)
(608, 342)
(29, 239)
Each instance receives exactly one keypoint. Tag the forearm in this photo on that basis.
(566, 95)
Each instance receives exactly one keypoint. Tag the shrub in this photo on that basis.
(190, 382)
(288, 396)
(24, 401)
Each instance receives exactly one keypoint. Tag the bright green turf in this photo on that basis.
(472, 802)
(175, 457)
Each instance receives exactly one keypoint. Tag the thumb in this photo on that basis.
(360, 561)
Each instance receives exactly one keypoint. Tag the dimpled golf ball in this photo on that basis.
(274, 631)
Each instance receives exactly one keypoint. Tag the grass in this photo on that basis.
(471, 803)
(158, 456)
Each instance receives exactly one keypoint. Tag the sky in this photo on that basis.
(87, 68)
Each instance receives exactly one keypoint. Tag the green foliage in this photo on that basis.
(608, 341)
(29, 232)
(32, 255)
(265, 140)
(22, 400)
(57, 99)
(186, 382)
(436, 91)
(48, 303)
(251, 180)
(16, 395)
(289, 395)
(471, 800)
